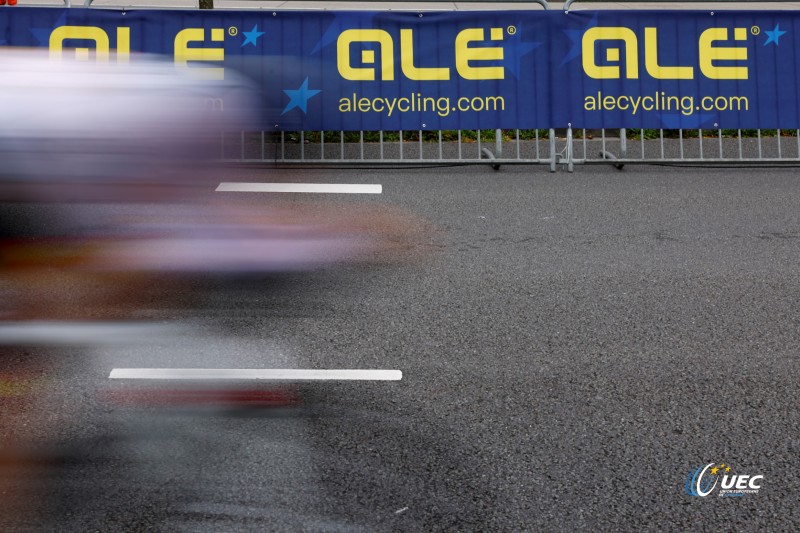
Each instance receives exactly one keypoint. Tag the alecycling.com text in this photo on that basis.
(660, 101)
(416, 102)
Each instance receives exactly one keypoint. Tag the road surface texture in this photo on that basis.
(572, 347)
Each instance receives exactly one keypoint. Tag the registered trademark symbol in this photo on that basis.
(233, 31)
(755, 30)
(511, 30)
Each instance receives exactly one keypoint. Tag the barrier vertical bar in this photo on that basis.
(700, 139)
(603, 142)
(740, 143)
(585, 151)
(552, 150)
(758, 134)
(641, 142)
(570, 167)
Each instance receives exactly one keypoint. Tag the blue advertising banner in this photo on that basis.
(462, 70)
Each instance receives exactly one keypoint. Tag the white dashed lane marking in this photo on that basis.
(283, 374)
(325, 188)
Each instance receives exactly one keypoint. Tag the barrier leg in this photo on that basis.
(570, 162)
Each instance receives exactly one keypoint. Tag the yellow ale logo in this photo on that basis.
(185, 54)
(102, 45)
(709, 53)
(468, 58)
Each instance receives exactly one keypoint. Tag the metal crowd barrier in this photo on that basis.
(565, 147)
(684, 4)
(209, 4)
(505, 147)
(683, 147)
(555, 148)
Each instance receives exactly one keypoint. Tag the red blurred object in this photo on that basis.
(274, 397)
(3, 2)
(12, 2)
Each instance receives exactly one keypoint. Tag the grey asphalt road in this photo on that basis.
(572, 347)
